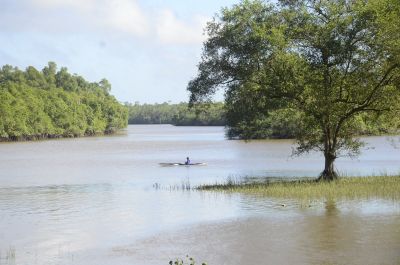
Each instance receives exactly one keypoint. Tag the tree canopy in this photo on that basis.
(50, 103)
(326, 62)
(177, 114)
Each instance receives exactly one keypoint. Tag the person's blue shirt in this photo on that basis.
(187, 161)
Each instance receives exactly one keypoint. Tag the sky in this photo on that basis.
(147, 49)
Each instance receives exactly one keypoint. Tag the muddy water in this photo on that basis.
(94, 201)
(330, 234)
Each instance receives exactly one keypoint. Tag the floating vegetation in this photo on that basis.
(189, 261)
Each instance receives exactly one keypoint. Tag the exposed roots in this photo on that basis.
(328, 175)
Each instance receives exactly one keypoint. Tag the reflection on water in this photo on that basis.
(320, 235)
(93, 201)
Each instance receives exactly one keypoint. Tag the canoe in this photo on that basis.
(182, 164)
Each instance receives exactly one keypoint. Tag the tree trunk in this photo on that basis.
(329, 173)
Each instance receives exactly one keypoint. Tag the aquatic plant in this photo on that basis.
(189, 260)
(387, 187)
(9, 257)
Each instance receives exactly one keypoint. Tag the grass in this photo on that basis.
(9, 256)
(387, 187)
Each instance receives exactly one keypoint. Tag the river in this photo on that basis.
(107, 200)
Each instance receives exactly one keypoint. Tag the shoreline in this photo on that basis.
(35, 138)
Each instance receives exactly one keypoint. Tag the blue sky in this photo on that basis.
(147, 49)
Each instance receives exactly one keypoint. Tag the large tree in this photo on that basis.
(329, 61)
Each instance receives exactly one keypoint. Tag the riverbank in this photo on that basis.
(344, 188)
(42, 137)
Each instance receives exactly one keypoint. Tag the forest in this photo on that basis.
(242, 121)
(53, 103)
(207, 114)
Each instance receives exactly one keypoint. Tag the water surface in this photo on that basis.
(92, 201)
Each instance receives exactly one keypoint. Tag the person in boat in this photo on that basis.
(187, 162)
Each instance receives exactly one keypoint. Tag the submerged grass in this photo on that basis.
(387, 187)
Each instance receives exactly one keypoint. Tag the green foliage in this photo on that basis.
(212, 114)
(335, 64)
(49, 104)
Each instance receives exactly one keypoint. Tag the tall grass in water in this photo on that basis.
(387, 187)
(184, 186)
(9, 257)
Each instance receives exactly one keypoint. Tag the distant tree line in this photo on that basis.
(243, 121)
(211, 114)
(49, 103)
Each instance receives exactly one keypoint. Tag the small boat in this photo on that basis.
(182, 164)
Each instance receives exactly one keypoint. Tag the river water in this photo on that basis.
(106, 200)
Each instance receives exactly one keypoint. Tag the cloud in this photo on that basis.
(75, 4)
(126, 16)
(121, 15)
(117, 16)
(171, 30)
